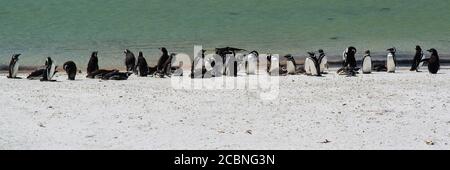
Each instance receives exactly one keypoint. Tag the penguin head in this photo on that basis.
(94, 54)
(367, 52)
(15, 56)
(311, 54)
(432, 51)
(141, 54)
(126, 51)
(289, 57)
(392, 50)
(48, 61)
(418, 48)
(163, 50)
(352, 50)
(321, 51)
(254, 53)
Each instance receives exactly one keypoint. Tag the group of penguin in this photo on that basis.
(139, 68)
(350, 68)
(205, 67)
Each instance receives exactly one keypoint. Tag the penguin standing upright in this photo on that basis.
(252, 62)
(323, 61)
(367, 63)
(50, 70)
(433, 62)
(273, 65)
(391, 61)
(93, 63)
(417, 59)
(71, 69)
(312, 66)
(160, 67)
(130, 60)
(290, 64)
(349, 57)
(141, 66)
(13, 66)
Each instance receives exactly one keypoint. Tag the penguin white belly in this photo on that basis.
(324, 64)
(15, 69)
(290, 67)
(274, 65)
(421, 63)
(313, 68)
(251, 64)
(367, 65)
(390, 63)
(51, 72)
(307, 66)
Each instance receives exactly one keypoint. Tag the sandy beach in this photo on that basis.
(405, 110)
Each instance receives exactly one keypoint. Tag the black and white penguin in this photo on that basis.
(312, 66)
(291, 65)
(71, 69)
(37, 74)
(252, 62)
(433, 62)
(323, 61)
(13, 66)
(93, 63)
(198, 67)
(130, 60)
(142, 66)
(116, 75)
(273, 65)
(349, 57)
(367, 63)
(391, 61)
(98, 74)
(417, 59)
(160, 66)
(50, 70)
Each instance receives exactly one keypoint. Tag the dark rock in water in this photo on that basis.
(330, 19)
(333, 38)
(385, 9)
(233, 13)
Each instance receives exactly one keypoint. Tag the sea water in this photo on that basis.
(72, 29)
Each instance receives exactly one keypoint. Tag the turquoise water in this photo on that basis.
(71, 29)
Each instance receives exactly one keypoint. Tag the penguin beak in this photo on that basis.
(430, 50)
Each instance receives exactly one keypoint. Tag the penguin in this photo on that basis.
(231, 66)
(116, 75)
(433, 62)
(37, 74)
(391, 61)
(418, 57)
(142, 67)
(13, 66)
(99, 73)
(167, 66)
(273, 65)
(349, 57)
(71, 69)
(252, 62)
(50, 70)
(198, 68)
(367, 63)
(93, 63)
(130, 60)
(312, 66)
(290, 64)
(160, 67)
(323, 61)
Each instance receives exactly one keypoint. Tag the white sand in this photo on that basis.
(377, 111)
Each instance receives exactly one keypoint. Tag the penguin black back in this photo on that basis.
(162, 60)
(416, 59)
(93, 63)
(130, 60)
(142, 66)
(433, 62)
(71, 69)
